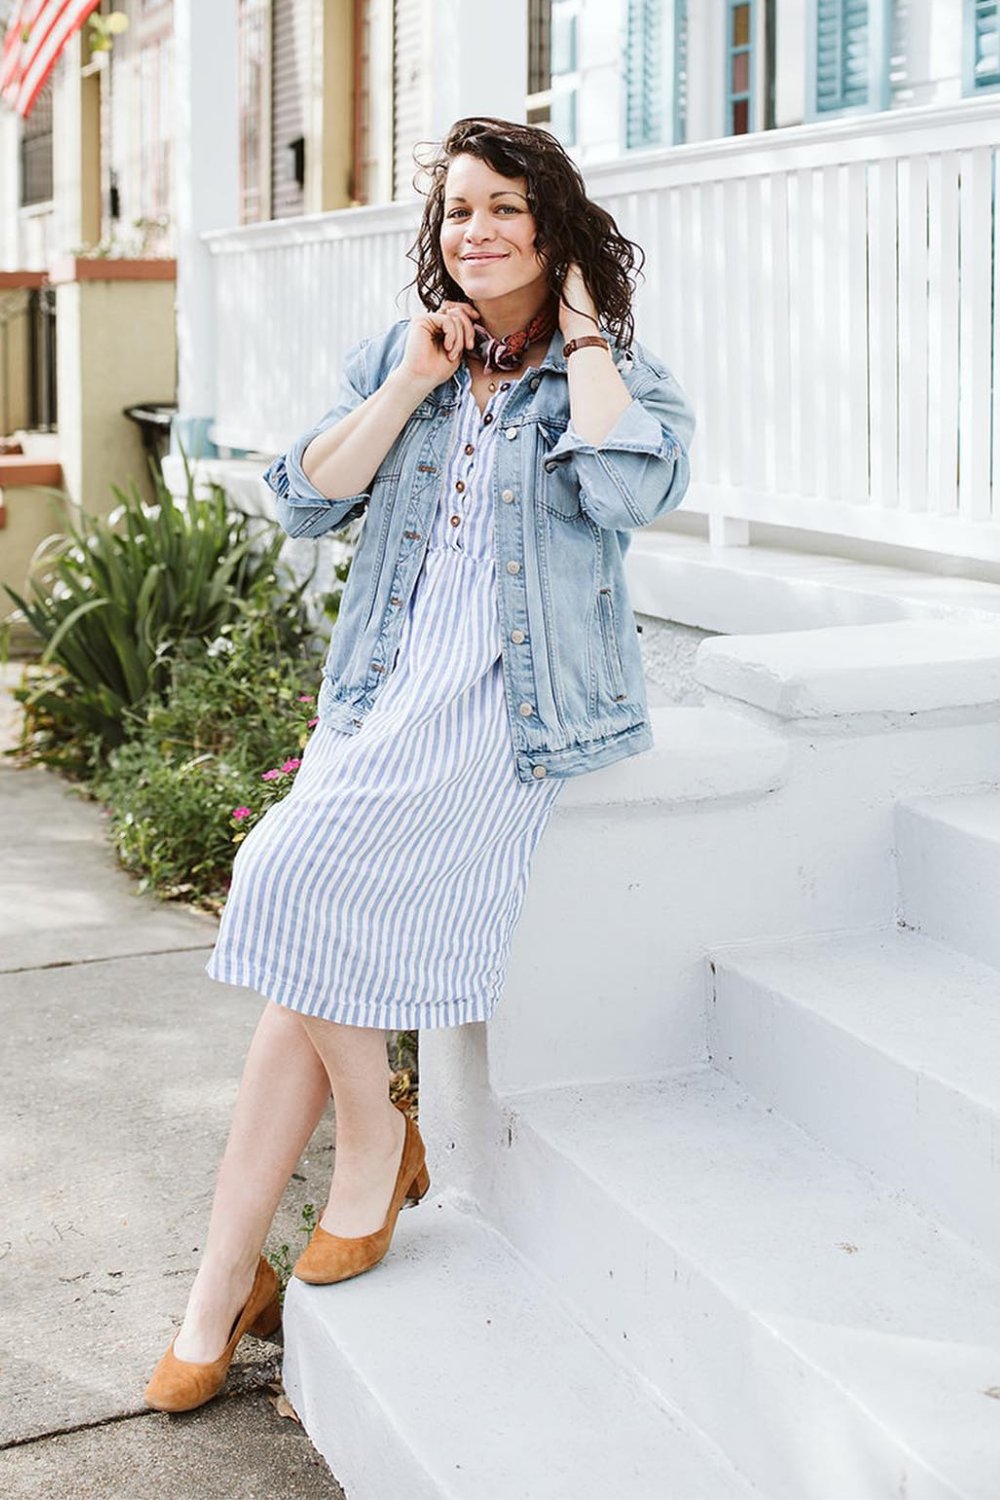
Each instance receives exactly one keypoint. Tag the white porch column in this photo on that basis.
(206, 193)
(477, 61)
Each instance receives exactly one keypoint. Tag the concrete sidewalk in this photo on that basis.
(118, 1072)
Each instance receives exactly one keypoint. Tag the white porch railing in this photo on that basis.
(828, 297)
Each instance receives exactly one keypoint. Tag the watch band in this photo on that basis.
(590, 338)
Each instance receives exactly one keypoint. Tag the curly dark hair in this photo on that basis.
(569, 226)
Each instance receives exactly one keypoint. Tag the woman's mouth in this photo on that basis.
(483, 256)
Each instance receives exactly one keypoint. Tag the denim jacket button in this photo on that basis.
(535, 383)
(513, 567)
(526, 709)
(506, 495)
(517, 636)
(511, 433)
(538, 771)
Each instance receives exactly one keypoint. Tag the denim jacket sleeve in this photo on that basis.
(641, 468)
(302, 509)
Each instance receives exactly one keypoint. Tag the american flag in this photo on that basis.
(36, 34)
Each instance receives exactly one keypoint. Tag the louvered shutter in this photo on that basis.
(289, 91)
(986, 27)
(644, 74)
(407, 82)
(842, 58)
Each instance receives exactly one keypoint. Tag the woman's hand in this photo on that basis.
(577, 312)
(436, 343)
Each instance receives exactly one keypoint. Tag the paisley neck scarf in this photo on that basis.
(508, 353)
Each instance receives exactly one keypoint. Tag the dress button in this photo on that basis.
(511, 433)
(517, 636)
(507, 495)
(505, 385)
(455, 520)
(538, 771)
(487, 419)
(469, 449)
(460, 486)
(513, 567)
(526, 709)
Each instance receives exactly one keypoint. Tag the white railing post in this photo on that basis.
(206, 196)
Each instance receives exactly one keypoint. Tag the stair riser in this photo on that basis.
(949, 883)
(731, 1373)
(916, 1133)
(341, 1413)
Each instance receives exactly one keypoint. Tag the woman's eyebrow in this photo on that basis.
(503, 193)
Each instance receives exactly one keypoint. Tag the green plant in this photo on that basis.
(284, 1257)
(223, 739)
(116, 599)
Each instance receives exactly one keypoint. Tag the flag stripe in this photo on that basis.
(51, 23)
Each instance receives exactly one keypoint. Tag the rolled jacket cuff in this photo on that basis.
(635, 431)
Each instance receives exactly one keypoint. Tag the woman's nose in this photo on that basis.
(478, 229)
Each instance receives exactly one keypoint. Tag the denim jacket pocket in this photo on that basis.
(609, 638)
(556, 486)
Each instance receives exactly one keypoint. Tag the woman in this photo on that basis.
(504, 443)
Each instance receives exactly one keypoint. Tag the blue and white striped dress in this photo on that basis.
(384, 888)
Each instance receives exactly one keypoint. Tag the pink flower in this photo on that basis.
(271, 775)
(241, 812)
(305, 697)
(291, 765)
(312, 723)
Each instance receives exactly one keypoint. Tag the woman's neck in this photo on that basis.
(502, 316)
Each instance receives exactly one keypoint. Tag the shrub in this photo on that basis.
(115, 598)
(233, 710)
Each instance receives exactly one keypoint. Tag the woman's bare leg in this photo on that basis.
(282, 1094)
(370, 1129)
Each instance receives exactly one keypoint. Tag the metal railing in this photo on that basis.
(827, 295)
(27, 356)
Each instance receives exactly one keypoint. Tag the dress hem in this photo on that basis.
(401, 1016)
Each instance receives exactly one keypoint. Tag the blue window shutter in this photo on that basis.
(982, 45)
(655, 72)
(643, 76)
(842, 54)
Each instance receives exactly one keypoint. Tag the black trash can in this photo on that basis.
(153, 419)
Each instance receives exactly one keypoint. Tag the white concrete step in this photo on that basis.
(829, 1337)
(883, 1045)
(948, 863)
(450, 1372)
(746, 590)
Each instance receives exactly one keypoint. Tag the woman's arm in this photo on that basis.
(597, 393)
(343, 460)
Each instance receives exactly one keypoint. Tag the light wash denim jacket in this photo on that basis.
(564, 511)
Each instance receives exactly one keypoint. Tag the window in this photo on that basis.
(565, 79)
(539, 61)
(254, 110)
(655, 73)
(848, 62)
(36, 150)
(739, 68)
(981, 45)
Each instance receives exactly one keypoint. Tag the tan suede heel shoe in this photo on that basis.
(181, 1385)
(334, 1257)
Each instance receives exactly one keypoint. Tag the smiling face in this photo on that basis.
(488, 235)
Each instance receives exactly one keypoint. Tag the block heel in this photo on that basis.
(420, 1184)
(269, 1321)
